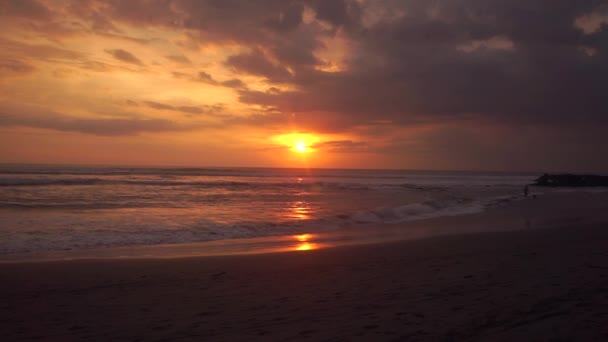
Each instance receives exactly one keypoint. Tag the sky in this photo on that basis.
(505, 85)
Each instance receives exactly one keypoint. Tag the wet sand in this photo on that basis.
(525, 284)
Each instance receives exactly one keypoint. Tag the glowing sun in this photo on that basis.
(301, 147)
(298, 143)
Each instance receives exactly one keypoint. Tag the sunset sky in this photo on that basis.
(424, 84)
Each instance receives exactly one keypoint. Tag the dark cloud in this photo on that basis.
(31, 117)
(97, 66)
(234, 83)
(484, 63)
(178, 74)
(181, 59)
(276, 25)
(100, 23)
(31, 9)
(124, 56)
(15, 66)
(538, 148)
(157, 105)
(143, 12)
(266, 120)
(37, 51)
(525, 65)
(190, 109)
(205, 77)
(205, 109)
(342, 146)
(339, 13)
(288, 18)
(256, 63)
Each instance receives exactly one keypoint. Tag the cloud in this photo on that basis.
(205, 77)
(32, 117)
(13, 66)
(234, 83)
(157, 105)
(265, 120)
(338, 12)
(46, 52)
(97, 66)
(288, 19)
(440, 62)
(536, 148)
(30, 9)
(342, 146)
(497, 43)
(402, 64)
(256, 63)
(181, 59)
(407, 60)
(124, 56)
(180, 75)
(594, 21)
(205, 109)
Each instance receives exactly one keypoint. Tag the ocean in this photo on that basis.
(48, 208)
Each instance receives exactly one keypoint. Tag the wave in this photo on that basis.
(408, 176)
(420, 210)
(205, 230)
(31, 182)
(102, 181)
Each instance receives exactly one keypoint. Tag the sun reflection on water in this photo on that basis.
(305, 244)
(300, 210)
(303, 237)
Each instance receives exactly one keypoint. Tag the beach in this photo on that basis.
(545, 279)
(303, 170)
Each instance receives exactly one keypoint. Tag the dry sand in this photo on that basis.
(529, 284)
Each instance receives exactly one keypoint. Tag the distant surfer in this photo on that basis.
(526, 191)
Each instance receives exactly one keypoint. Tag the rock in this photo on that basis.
(572, 180)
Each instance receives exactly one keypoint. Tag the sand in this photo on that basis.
(524, 284)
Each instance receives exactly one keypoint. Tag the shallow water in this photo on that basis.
(58, 208)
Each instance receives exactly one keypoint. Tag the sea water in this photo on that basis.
(46, 208)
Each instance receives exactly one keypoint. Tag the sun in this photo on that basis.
(299, 143)
(301, 147)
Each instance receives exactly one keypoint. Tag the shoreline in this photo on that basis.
(525, 283)
(545, 211)
(519, 285)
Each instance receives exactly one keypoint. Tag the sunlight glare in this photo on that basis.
(303, 237)
(304, 242)
(301, 147)
(299, 143)
(305, 246)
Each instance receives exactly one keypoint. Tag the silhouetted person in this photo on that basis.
(526, 191)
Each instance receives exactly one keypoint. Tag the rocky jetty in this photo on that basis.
(572, 180)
